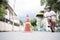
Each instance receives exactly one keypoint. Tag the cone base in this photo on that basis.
(27, 28)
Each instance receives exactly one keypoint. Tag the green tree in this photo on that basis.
(21, 22)
(3, 12)
(42, 2)
(3, 2)
(55, 4)
(33, 22)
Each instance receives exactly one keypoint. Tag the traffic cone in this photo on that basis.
(27, 25)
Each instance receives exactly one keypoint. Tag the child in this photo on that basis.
(51, 17)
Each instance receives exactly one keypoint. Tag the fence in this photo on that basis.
(8, 27)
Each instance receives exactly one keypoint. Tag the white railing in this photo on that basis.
(7, 27)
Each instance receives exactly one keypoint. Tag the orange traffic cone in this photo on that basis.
(27, 25)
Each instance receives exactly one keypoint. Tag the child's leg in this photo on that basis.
(52, 26)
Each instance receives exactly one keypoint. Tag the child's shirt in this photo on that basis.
(50, 15)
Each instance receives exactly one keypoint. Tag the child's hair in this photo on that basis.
(48, 7)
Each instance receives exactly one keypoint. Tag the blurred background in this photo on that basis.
(13, 14)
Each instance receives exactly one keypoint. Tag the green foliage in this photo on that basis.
(58, 4)
(3, 12)
(33, 22)
(55, 5)
(51, 2)
(42, 2)
(21, 22)
(3, 2)
(31, 27)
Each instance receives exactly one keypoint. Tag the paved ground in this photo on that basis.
(29, 36)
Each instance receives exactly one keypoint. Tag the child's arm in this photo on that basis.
(53, 13)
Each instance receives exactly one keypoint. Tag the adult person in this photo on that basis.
(51, 18)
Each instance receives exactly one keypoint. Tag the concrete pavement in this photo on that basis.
(29, 36)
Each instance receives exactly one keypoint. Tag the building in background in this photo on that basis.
(10, 17)
(39, 17)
